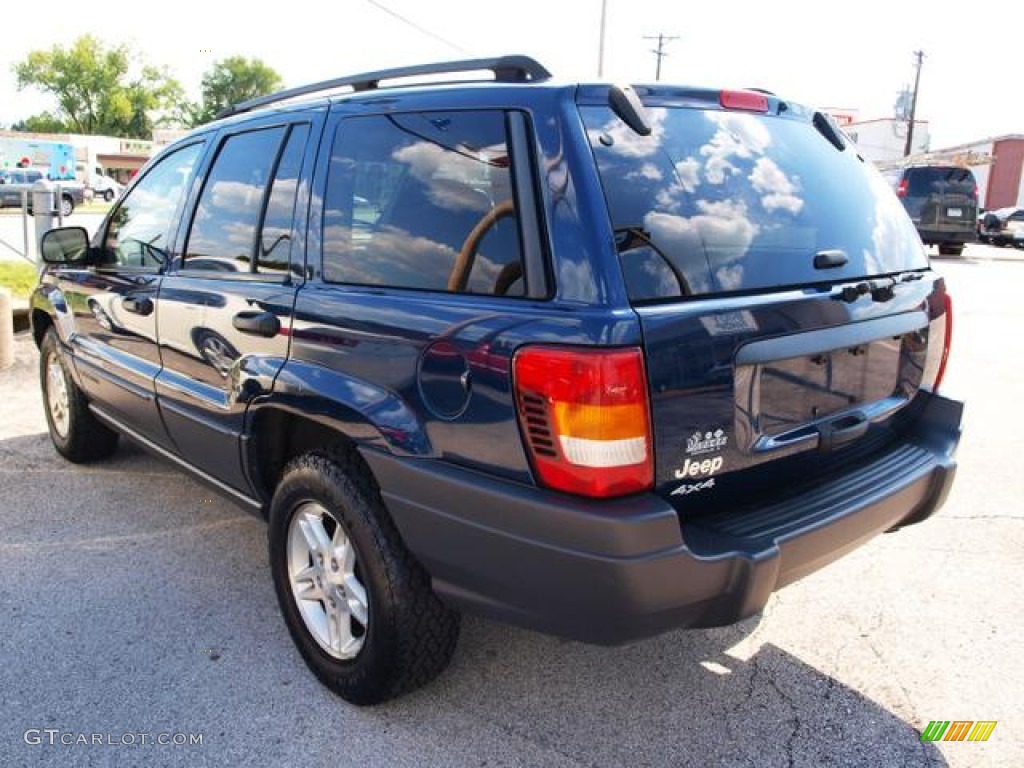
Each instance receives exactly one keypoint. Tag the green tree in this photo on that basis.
(98, 88)
(44, 122)
(233, 80)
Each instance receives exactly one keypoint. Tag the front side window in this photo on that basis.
(140, 226)
(423, 201)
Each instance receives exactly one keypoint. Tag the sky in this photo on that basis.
(855, 56)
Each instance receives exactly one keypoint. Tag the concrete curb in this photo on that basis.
(6, 330)
(19, 309)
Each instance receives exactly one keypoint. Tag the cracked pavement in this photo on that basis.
(134, 600)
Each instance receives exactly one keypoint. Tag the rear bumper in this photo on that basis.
(935, 236)
(617, 571)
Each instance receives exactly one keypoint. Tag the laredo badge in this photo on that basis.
(700, 443)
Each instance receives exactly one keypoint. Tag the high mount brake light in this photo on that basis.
(585, 417)
(746, 101)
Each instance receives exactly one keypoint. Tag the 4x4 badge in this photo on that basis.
(687, 488)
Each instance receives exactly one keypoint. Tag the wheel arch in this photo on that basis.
(276, 435)
(41, 322)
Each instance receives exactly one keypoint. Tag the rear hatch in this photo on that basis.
(941, 198)
(789, 314)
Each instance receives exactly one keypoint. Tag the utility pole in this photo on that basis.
(659, 52)
(600, 42)
(919, 57)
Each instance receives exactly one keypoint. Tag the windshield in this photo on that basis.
(714, 202)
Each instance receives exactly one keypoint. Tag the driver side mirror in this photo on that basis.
(65, 245)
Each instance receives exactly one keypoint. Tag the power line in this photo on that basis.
(417, 27)
(659, 52)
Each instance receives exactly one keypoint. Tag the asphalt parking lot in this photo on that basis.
(134, 601)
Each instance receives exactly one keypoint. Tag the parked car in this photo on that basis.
(593, 360)
(14, 180)
(105, 187)
(942, 201)
(1003, 226)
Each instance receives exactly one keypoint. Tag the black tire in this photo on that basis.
(108, 195)
(67, 206)
(410, 635)
(77, 435)
(951, 249)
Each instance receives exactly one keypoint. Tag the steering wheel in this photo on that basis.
(459, 276)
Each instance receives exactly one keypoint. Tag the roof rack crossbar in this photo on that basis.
(506, 69)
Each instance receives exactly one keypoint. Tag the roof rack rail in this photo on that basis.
(506, 69)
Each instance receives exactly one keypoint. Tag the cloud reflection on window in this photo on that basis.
(395, 257)
(778, 191)
(453, 180)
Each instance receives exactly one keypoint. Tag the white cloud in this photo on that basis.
(628, 143)
(648, 171)
(777, 190)
(395, 257)
(688, 174)
(737, 135)
(453, 181)
(722, 228)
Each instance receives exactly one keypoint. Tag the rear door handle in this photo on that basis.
(143, 306)
(257, 322)
(845, 429)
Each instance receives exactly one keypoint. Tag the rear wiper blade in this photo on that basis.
(629, 109)
(829, 131)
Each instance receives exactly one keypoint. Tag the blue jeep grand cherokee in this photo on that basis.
(595, 360)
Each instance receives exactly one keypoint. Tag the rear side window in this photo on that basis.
(223, 233)
(715, 202)
(424, 201)
(278, 219)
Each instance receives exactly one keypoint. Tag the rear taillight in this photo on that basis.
(585, 418)
(947, 339)
(940, 336)
(901, 190)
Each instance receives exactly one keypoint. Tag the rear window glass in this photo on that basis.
(922, 182)
(716, 202)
